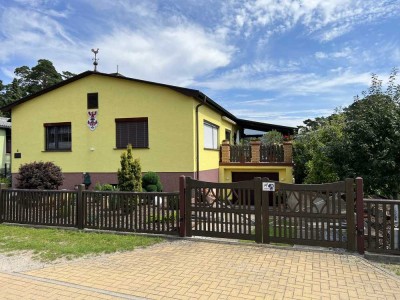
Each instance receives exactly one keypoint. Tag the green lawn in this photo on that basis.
(394, 268)
(52, 244)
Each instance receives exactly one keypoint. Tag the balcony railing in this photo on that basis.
(271, 153)
(256, 153)
(239, 153)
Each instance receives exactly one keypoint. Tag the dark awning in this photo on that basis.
(246, 124)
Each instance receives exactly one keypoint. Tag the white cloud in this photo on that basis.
(28, 33)
(334, 32)
(286, 83)
(320, 55)
(260, 102)
(344, 53)
(326, 20)
(174, 55)
(173, 51)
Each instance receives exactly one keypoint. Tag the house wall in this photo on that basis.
(285, 172)
(170, 121)
(209, 159)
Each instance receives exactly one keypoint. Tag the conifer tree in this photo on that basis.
(130, 173)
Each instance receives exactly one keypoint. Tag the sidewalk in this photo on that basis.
(205, 270)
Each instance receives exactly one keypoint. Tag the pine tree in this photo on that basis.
(130, 173)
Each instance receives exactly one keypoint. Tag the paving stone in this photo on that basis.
(204, 270)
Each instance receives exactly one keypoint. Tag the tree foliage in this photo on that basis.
(373, 143)
(31, 80)
(130, 173)
(151, 182)
(272, 137)
(362, 140)
(39, 175)
(317, 148)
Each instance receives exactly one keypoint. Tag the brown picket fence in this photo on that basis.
(325, 215)
(381, 219)
(136, 212)
(117, 211)
(36, 207)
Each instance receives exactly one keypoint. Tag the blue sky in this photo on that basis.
(270, 61)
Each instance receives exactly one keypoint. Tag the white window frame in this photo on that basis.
(210, 131)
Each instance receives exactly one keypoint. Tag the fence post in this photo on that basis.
(182, 206)
(188, 206)
(257, 208)
(3, 186)
(265, 213)
(360, 215)
(351, 236)
(80, 207)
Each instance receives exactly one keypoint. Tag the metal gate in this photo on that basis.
(317, 215)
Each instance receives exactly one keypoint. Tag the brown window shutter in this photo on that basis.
(132, 131)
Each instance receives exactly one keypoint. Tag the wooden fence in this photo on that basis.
(320, 215)
(271, 153)
(52, 208)
(268, 153)
(240, 153)
(313, 214)
(381, 219)
(223, 210)
(136, 212)
(121, 211)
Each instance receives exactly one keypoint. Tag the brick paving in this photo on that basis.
(205, 270)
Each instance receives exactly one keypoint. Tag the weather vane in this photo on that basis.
(95, 59)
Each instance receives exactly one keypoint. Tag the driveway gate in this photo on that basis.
(224, 209)
(317, 215)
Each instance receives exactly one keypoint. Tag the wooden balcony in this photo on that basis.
(256, 154)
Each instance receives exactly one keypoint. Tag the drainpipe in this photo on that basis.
(197, 138)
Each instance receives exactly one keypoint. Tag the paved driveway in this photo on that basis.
(204, 270)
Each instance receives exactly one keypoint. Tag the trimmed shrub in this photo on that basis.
(151, 182)
(39, 175)
(104, 187)
(130, 173)
(151, 188)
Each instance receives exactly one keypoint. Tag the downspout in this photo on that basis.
(197, 138)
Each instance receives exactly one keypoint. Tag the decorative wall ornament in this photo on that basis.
(92, 121)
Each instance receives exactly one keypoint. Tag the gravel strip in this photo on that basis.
(20, 262)
(23, 261)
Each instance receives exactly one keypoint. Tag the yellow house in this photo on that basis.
(84, 123)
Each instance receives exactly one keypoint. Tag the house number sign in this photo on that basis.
(268, 186)
(92, 121)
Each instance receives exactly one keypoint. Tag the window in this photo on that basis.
(228, 135)
(92, 100)
(210, 136)
(8, 141)
(58, 136)
(132, 131)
